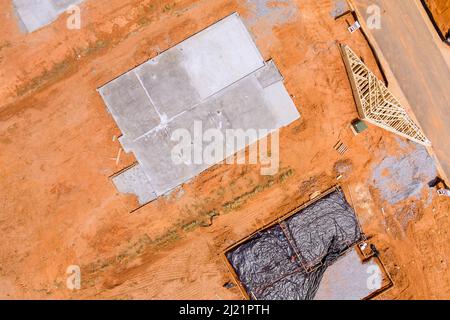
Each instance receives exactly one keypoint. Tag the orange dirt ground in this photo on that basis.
(58, 206)
(441, 13)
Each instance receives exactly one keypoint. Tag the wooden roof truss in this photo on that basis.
(375, 102)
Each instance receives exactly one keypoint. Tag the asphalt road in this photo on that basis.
(419, 67)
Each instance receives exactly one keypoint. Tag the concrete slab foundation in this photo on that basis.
(349, 278)
(35, 14)
(216, 78)
(134, 181)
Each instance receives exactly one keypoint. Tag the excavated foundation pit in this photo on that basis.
(288, 259)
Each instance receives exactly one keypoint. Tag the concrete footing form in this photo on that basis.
(217, 78)
(310, 254)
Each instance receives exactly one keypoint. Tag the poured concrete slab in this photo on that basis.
(217, 78)
(241, 106)
(135, 181)
(161, 76)
(350, 279)
(130, 106)
(35, 14)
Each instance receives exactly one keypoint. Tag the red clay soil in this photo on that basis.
(58, 206)
(441, 13)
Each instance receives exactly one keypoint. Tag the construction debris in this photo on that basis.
(358, 126)
(340, 147)
(354, 27)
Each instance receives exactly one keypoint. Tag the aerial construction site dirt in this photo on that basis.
(347, 196)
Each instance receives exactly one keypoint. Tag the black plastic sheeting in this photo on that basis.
(287, 261)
